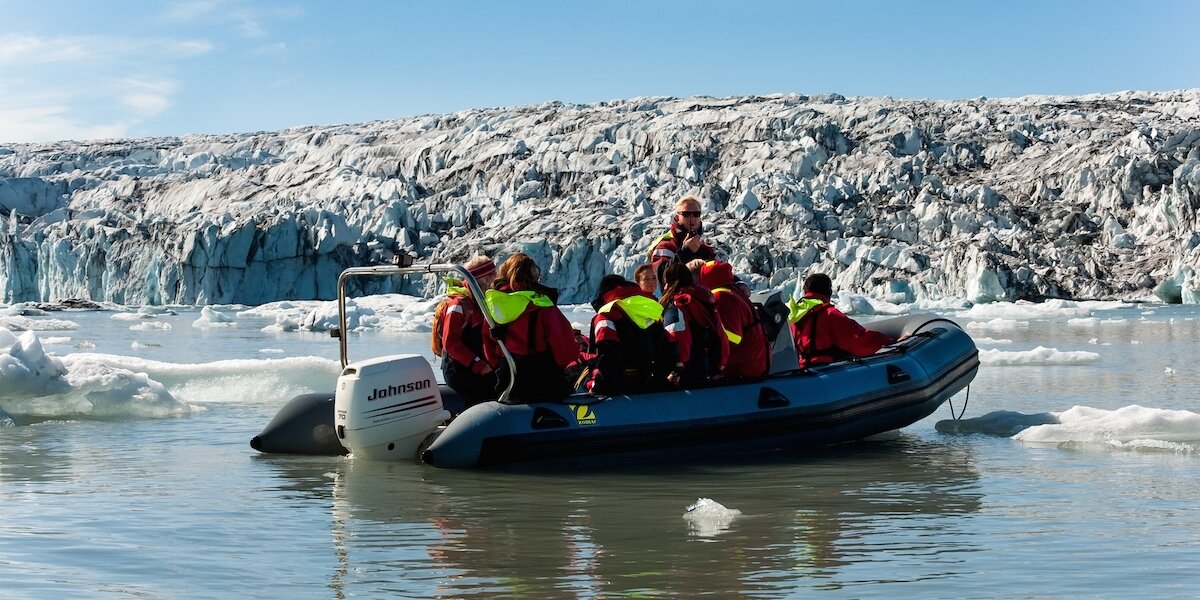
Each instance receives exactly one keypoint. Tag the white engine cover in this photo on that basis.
(385, 407)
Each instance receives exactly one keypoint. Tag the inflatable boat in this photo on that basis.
(392, 408)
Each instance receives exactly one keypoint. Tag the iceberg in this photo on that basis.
(1083, 197)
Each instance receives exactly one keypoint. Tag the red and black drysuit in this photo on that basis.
(541, 342)
(823, 334)
(749, 354)
(465, 364)
(632, 352)
(694, 326)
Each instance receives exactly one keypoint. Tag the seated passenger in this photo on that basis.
(535, 332)
(694, 326)
(628, 340)
(463, 332)
(823, 334)
(748, 353)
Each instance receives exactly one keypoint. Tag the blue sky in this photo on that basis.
(134, 68)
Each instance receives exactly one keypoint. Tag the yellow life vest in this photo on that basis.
(641, 310)
(797, 310)
(506, 307)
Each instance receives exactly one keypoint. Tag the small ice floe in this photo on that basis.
(271, 351)
(284, 322)
(1038, 356)
(56, 341)
(1003, 423)
(1023, 310)
(998, 324)
(708, 518)
(210, 318)
(85, 345)
(136, 345)
(994, 341)
(36, 384)
(19, 323)
(1135, 342)
(1093, 341)
(151, 326)
(132, 316)
(1129, 428)
(1169, 371)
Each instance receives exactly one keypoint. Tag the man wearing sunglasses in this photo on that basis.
(683, 241)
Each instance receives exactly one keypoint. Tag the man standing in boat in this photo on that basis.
(823, 334)
(683, 241)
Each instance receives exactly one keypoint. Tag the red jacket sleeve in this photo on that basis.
(725, 347)
(731, 313)
(854, 338)
(456, 319)
(675, 323)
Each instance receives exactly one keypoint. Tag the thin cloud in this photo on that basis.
(25, 49)
(147, 98)
(50, 123)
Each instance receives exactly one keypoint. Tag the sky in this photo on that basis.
(89, 69)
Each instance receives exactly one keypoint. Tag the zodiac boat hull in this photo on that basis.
(785, 411)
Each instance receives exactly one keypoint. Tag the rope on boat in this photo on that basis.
(950, 401)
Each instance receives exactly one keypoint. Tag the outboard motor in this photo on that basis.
(385, 407)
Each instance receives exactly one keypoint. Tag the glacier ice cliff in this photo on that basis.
(989, 199)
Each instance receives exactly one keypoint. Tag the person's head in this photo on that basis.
(675, 277)
(687, 214)
(646, 279)
(483, 269)
(716, 274)
(694, 266)
(818, 283)
(521, 272)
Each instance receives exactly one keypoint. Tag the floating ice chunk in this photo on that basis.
(25, 368)
(271, 351)
(210, 318)
(56, 341)
(1169, 371)
(1083, 322)
(998, 323)
(133, 316)
(136, 345)
(1135, 342)
(1024, 310)
(19, 323)
(988, 340)
(85, 345)
(151, 326)
(1127, 427)
(707, 517)
(1093, 341)
(1038, 356)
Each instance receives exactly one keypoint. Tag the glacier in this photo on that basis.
(1072, 197)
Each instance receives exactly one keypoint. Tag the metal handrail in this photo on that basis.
(389, 270)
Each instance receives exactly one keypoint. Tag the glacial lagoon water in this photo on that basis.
(1103, 505)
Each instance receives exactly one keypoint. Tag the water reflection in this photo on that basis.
(807, 522)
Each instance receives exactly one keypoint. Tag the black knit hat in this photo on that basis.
(607, 283)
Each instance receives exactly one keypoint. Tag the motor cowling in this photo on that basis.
(385, 407)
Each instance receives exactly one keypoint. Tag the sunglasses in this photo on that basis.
(689, 213)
